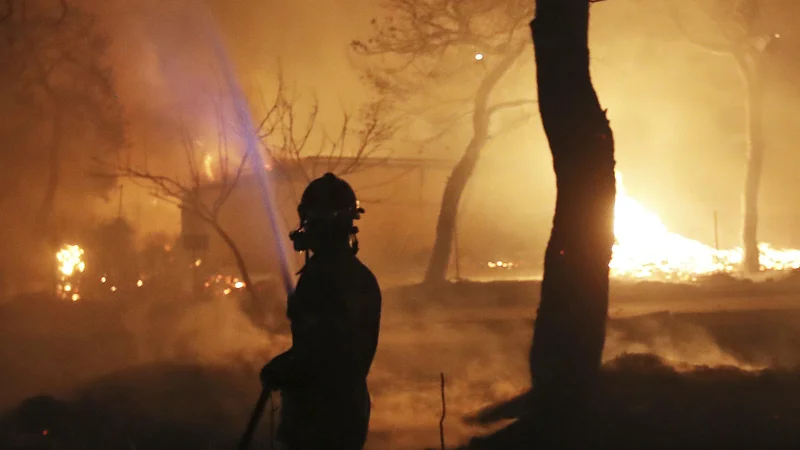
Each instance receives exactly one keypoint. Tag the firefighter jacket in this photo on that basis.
(335, 319)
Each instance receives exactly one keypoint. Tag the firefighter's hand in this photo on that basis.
(268, 377)
(275, 372)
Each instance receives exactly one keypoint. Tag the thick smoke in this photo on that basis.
(213, 332)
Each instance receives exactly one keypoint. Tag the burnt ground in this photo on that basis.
(715, 368)
(645, 403)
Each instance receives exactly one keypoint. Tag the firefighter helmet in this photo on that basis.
(327, 208)
(329, 198)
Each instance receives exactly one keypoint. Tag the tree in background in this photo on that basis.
(428, 54)
(745, 36)
(59, 114)
(569, 333)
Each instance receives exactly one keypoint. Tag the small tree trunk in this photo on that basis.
(46, 226)
(569, 332)
(237, 256)
(255, 308)
(755, 163)
(448, 211)
(47, 208)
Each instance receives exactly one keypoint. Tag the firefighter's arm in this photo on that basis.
(320, 351)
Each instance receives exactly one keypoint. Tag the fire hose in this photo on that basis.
(255, 417)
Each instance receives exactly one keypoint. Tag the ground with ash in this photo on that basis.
(708, 366)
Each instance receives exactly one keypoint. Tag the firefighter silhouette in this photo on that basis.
(335, 319)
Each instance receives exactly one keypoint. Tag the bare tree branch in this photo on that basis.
(511, 105)
(295, 138)
(425, 28)
(702, 42)
(514, 103)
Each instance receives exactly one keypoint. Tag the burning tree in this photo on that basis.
(742, 36)
(422, 51)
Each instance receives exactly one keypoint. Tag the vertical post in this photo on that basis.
(421, 183)
(138, 209)
(716, 230)
(195, 286)
(456, 255)
(119, 210)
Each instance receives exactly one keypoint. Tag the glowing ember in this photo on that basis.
(139, 283)
(478, 56)
(224, 284)
(197, 262)
(646, 249)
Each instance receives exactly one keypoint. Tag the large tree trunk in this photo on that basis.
(755, 161)
(448, 211)
(569, 332)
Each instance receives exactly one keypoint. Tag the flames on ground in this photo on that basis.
(70, 266)
(646, 249)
